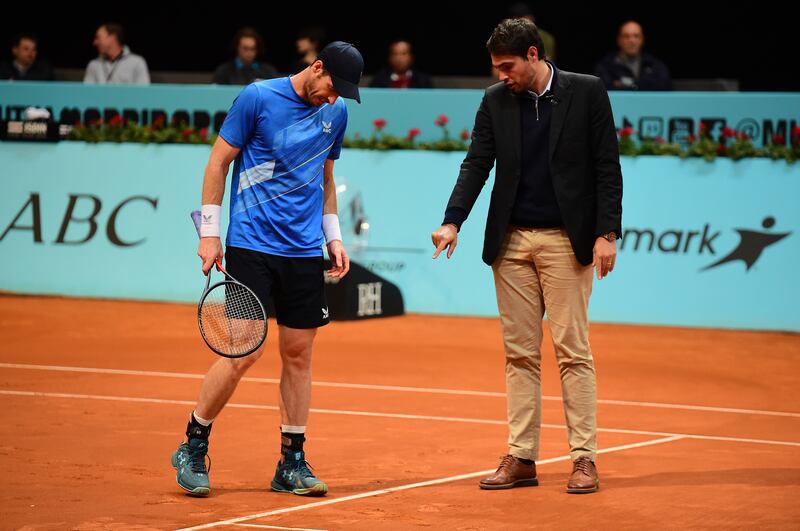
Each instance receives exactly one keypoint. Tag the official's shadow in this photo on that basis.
(754, 477)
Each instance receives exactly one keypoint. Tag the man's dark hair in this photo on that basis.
(116, 29)
(20, 36)
(401, 40)
(513, 36)
(315, 34)
(520, 10)
(253, 34)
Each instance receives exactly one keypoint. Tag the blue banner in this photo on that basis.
(706, 244)
(670, 115)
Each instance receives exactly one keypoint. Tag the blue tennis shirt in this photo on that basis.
(276, 190)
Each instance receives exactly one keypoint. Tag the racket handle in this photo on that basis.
(196, 217)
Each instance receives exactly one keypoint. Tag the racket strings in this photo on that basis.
(232, 319)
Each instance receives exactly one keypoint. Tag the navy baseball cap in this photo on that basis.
(345, 65)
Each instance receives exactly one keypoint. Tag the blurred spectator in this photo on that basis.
(309, 43)
(24, 66)
(116, 63)
(629, 68)
(523, 10)
(399, 73)
(244, 69)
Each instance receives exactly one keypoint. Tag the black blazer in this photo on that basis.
(584, 162)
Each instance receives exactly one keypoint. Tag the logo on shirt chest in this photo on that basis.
(326, 126)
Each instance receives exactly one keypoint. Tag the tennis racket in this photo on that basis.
(231, 317)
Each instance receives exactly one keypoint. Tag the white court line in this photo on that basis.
(403, 416)
(262, 526)
(400, 388)
(412, 486)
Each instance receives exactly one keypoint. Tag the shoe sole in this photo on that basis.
(320, 489)
(518, 483)
(200, 492)
(587, 490)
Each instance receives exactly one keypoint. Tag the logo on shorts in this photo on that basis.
(326, 126)
(325, 313)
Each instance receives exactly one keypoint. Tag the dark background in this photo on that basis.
(752, 43)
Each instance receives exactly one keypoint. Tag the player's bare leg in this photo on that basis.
(295, 388)
(220, 383)
(293, 473)
(218, 386)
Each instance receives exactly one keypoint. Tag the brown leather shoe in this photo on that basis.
(584, 477)
(511, 473)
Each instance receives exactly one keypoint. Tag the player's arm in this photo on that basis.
(340, 262)
(210, 248)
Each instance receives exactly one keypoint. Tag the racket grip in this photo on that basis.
(196, 217)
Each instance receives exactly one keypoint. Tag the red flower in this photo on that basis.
(464, 135)
(721, 149)
(187, 132)
(204, 134)
(442, 120)
(625, 132)
(691, 138)
(796, 130)
(96, 122)
(778, 139)
(115, 120)
(743, 136)
(727, 132)
(413, 133)
(379, 124)
(77, 124)
(659, 140)
(158, 123)
(702, 129)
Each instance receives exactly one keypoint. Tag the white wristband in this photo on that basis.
(209, 221)
(330, 226)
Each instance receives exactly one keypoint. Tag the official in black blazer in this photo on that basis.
(555, 212)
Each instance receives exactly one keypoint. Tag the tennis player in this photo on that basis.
(284, 135)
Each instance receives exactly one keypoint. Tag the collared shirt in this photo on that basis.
(401, 80)
(547, 87)
(535, 204)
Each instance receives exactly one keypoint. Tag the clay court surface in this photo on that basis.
(698, 428)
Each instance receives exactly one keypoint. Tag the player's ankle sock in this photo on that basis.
(292, 439)
(198, 427)
(525, 461)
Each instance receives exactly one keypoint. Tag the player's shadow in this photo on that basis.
(254, 489)
(222, 491)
